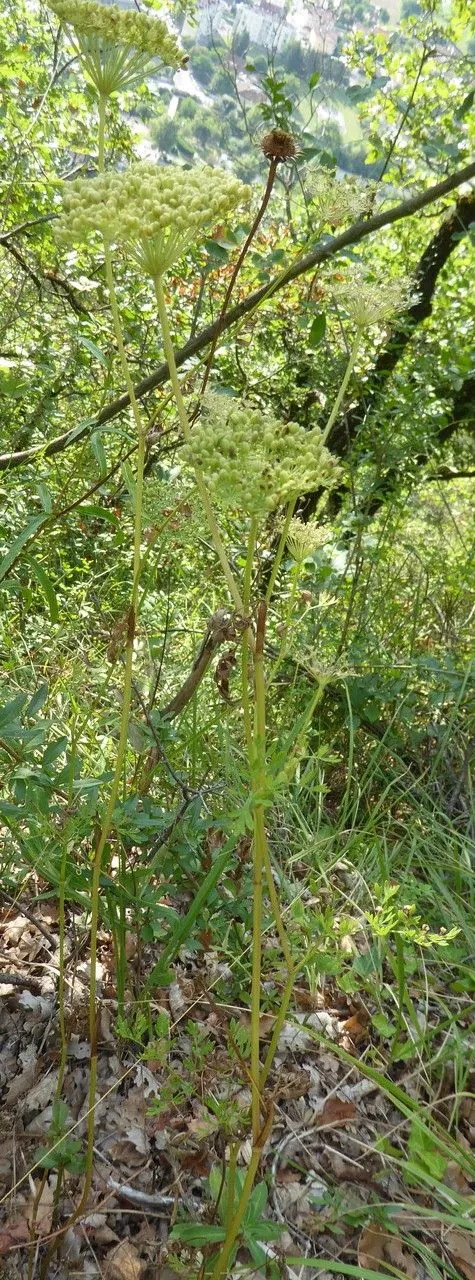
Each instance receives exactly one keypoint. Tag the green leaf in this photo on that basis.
(38, 699)
(383, 1025)
(314, 79)
(160, 973)
(216, 250)
(424, 1152)
(45, 496)
(46, 587)
(257, 1203)
(465, 106)
(99, 453)
(11, 710)
(19, 542)
(195, 1233)
(95, 351)
(54, 750)
(317, 329)
(100, 513)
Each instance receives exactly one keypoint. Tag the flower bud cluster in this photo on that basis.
(369, 301)
(338, 200)
(252, 462)
(117, 26)
(155, 211)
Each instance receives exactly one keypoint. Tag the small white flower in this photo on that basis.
(368, 301)
(303, 539)
(338, 200)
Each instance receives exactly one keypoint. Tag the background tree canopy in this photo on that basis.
(234, 803)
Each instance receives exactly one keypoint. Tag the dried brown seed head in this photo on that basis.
(279, 145)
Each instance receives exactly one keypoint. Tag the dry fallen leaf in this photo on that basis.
(378, 1248)
(12, 1234)
(453, 1177)
(336, 1112)
(39, 1215)
(461, 1245)
(25, 1078)
(124, 1263)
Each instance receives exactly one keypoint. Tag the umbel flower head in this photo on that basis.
(304, 539)
(338, 200)
(370, 301)
(116, 47)
(252, 462)
(155, 211)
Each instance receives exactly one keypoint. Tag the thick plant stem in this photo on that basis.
(344, 383)
(186, 429)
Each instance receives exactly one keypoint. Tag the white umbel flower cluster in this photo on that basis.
(368, 301)
(338, 200)
(117, 47)
(304, 539)
(155, 211)
(253, 463)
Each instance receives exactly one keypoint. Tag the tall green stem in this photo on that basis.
(280, 549)
(344, 383)
(245, 640)
(186, 429)
(220, 1268)
(257, 765)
